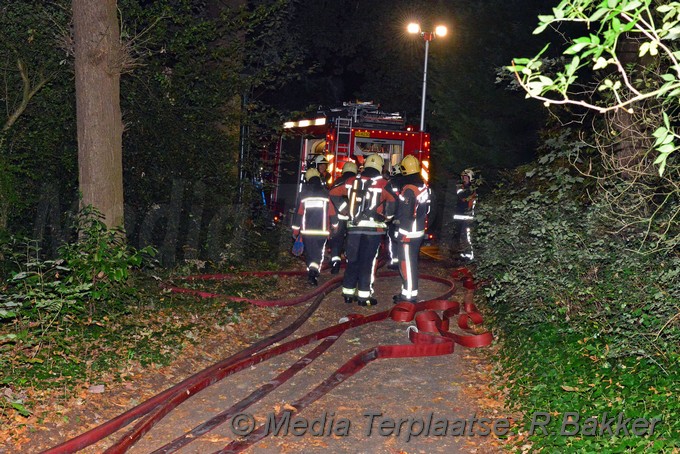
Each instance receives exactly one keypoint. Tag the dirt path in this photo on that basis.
(413, 390)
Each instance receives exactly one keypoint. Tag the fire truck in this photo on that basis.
(347, 133)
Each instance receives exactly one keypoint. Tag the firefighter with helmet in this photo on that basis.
(412, 208)
(371, 206)
(338, 193)
(314, 219)
(466, 199)
(320, 163)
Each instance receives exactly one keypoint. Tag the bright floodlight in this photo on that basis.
(413, 28)
(440, 30)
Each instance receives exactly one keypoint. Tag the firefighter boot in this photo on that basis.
(367, 302)
(335, 267)
(399, 298)
(312, 277)
(349, 299)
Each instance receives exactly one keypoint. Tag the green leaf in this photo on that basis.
(635, 4)
(597, 14)
(574, 48)
(573, 66)
(662, 165)
(660, 132)
(540, 29)
(666, 148)
(23, 411)
(600, 63)
(666, 121)
(644, 48)
(535, 88)
(672, 34)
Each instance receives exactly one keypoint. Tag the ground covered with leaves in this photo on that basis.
(169, 337)
(43, 372)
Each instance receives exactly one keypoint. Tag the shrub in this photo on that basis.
(586, 323)
(101, 259)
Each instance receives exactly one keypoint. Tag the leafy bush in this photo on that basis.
(37, 289)
(586, 323)
(101, 259)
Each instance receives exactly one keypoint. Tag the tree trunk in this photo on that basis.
(98, 57)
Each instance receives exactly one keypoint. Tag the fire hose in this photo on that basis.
(430, 337)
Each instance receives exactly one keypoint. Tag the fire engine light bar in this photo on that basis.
(304, 123)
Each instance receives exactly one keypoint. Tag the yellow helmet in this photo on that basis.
(374, 161)
(409, 165)
(349, 167)
(311, 173)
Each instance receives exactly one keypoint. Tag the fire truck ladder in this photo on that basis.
(343, 127)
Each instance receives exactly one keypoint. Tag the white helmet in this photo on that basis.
(469, 173)
(321, 159)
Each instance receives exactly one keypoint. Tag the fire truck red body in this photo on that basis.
(348, 133)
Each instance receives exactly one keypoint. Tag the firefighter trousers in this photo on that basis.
(315, 246)
(337, 241)
(362, 259)
(408, 267)
(462, 239)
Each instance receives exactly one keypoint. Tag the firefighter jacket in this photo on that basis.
(465, 203)
(394, 185)
(315, 214)
(413, 206)
(338, 193)
(371, 205)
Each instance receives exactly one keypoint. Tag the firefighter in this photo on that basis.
(314, 219)
(371, 205)
(320, 163)
(412, 208)
(466, 199)
(393, 187)
(338, 193)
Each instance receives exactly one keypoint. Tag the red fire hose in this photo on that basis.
(429, 339)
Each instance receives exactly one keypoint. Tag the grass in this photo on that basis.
(555, 369)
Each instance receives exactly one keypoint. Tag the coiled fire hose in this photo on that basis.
(430, 338)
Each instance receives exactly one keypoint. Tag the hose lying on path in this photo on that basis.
(430, 338)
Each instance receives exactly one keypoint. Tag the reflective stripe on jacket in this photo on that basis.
(315, 214)
(413, 206)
